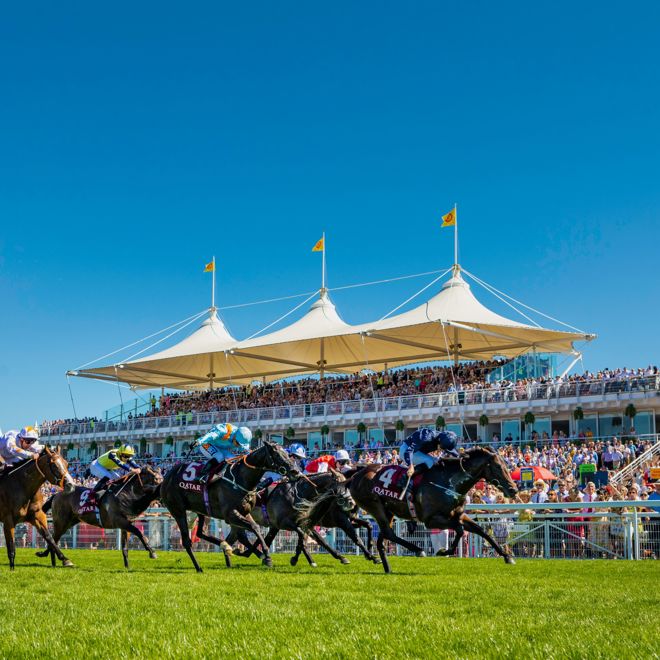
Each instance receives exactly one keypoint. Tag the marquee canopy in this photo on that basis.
(452, 325)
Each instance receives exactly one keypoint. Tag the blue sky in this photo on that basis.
(139, 139)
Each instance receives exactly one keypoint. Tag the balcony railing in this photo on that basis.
(300, 412)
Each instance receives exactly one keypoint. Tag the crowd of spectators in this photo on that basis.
(465, 380)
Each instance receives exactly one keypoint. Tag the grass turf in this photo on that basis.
(429, 608)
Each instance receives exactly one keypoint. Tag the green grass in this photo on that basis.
(429, 608)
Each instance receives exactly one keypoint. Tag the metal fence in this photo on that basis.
(610, 530)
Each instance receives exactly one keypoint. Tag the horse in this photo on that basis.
(279, 508)
(126, 499)
(438, 500)
(21, 498)
(229, 495)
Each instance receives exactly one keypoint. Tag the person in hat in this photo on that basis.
(16, 446)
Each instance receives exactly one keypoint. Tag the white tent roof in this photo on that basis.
(453, 324)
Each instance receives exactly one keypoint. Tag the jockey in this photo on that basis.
(222, 442)
(297, 453)
(340, 461)
(113, 464)
(16, 446)
(416, 447)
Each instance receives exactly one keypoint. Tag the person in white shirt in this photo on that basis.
(539, 495)
(16, 446)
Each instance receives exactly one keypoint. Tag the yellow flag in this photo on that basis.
(210, 267)
(319, 247)
(449, 220)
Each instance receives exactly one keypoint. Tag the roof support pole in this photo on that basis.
(322, 359)
(211, 374)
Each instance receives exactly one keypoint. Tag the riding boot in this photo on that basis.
(100, 488)
(206, 470)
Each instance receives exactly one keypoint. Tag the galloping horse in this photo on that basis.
(230, 497)
(126, 499)
(21, 498)
(439, 499)
(281, 509)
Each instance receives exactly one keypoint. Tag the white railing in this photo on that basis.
(627, 471)
(400, 405)
(594, 530)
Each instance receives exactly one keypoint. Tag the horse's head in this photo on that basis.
(54, 468)
(495, 472)
(151, 479)
(343, 496)
(274, 458)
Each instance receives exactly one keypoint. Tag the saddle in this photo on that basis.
(263, 494)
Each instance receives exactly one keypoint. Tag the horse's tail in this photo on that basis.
(48, 504)
(311, 511)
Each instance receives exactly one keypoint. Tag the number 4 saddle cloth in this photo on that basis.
(391, 481)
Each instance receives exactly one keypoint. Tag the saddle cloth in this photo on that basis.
(391, 480)
(189, 475)
(88, 502)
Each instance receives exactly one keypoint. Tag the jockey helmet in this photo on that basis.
(342, 455)
(28, 434)
(126, 450)
(242, 437)
(448, 440)
(297, 450)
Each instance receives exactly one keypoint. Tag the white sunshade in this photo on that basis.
(453, 324)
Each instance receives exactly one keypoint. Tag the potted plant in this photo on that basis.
(117, 444)
(630, 412)
(92, 447)
(70, 446)
(325, 430)
(258, 434)
(529, 420)
(440, 423)
(169, 440)
(361, 429)
(483, 420)
(290, 433)
(400, 428)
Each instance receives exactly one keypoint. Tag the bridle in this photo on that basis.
(58, 461)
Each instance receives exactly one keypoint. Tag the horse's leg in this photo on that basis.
(124, 547)
(11, 544)
(473, 527)
(251, 548)
(347, 525)
(182, 523)
(248, 521)
(128, 526)
(220, 542)
(444, 523)
(40, 522)
(358, 522)
(324, 544)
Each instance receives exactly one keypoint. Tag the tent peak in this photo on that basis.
(456, 279)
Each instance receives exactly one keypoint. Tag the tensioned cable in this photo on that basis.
(335, 288)
(461, 411)
(139, 341)
(162, 339)
(506, 302)
(291, 311)
(405, 302)
(531, 309)
(73, 405)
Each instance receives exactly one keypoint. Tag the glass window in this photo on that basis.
(512, 427)
(642, 423)
(375, 437)
(351, 438)
(314, 441)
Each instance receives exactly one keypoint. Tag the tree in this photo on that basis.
(258, 434)
(143, 445)
(290, 433)
(325, 430)
(483, 420)
(630, 412)
(92, 447)
(578, 414)
(117, 444)
(70, 446)
(361, 429)
(440, 422)
(529, 420)
(169, 440)
(400, 428)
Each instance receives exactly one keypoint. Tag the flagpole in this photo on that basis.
(455, 234)
(213, 288)
(323, 267)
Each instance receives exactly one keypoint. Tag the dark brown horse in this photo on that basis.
(230, 497)
(21, 498)
(126, 499)
(281, 508)
(438, 501)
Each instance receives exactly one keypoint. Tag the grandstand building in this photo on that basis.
(524, 396)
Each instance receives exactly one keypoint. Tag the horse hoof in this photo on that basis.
(376, 561)
(42, 553)
(67, 563)
(153, 555)
(267, 561)
(199, 570)
(314, 564)
(421, 554)
(343, 560)
(509, 560)
(293, 561)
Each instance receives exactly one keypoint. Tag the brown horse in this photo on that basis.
(21, 498)
(126, 499)
(438, 500)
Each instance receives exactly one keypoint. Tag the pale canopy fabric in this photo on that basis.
(453, 324)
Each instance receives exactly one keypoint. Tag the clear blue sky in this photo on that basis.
(138, 139)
